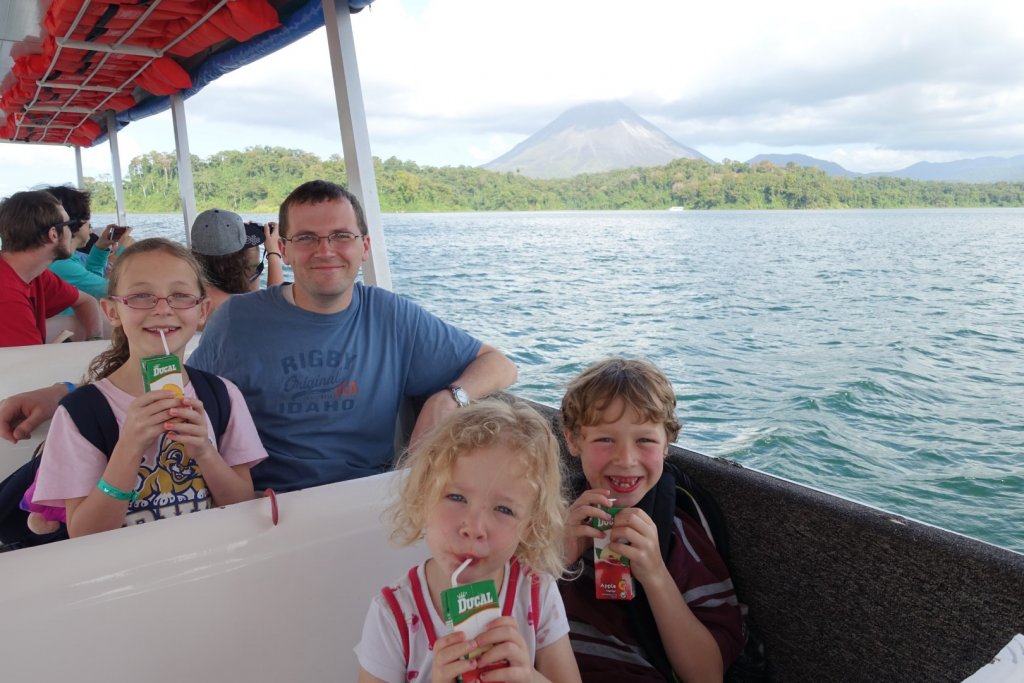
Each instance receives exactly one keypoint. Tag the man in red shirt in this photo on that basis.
(34, 230)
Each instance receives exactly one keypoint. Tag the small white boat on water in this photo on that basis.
(838, 590)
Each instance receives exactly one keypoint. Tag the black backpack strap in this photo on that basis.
(751, 666)
(211, 390)
(701, 506)
(93, 417)
(14, 531)
(659, 503)
(95, 420)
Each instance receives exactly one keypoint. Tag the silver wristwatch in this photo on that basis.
(460, 395)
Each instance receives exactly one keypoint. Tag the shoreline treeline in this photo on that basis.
(257, 179)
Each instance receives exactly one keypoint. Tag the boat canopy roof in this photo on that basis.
(65, 63)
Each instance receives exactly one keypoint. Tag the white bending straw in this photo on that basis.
(455, 574)
(163, 338)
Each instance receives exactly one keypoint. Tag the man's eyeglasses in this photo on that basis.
(148, 301)
(335, 240)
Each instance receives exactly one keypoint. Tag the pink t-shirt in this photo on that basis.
(169, 482)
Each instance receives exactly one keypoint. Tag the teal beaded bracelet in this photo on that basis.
(115, 492)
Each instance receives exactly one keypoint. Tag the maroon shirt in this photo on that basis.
(603, 639)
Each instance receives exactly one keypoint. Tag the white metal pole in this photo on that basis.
(355, 139)
(78, 168)
(188, 194)
(115, 162)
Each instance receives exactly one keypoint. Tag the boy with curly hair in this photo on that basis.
(684, 623)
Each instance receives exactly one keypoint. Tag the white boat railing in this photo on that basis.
(31, 367)
(23, 368)
(223, 593)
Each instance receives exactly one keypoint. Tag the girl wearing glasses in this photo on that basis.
(229, 250)
(167, 460)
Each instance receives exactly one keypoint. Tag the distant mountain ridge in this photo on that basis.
(607, 136)
(979, 170)
(592, 138)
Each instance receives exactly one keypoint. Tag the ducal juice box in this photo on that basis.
(469, 609)
(163, 373)
(612, 577)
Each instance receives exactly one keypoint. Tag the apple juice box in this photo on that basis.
(163, 373)
(612, 577)
(469, 609)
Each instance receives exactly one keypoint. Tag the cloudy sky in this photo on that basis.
(874, 85)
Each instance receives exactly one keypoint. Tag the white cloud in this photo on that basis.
(39, 165)
(932, 77)
(877, 85)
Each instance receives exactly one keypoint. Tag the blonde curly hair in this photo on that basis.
(526, 436)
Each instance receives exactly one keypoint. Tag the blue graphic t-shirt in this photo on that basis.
(325, 390)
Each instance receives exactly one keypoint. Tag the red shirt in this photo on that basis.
(25, 306)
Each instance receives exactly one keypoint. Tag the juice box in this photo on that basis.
(612, 577)
(469, 609)
(163, 373)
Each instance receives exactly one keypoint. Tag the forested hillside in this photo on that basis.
(257, 179)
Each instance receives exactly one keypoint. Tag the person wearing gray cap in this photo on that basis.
(229, 250)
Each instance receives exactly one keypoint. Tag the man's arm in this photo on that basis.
(275, 262)
(87, 312)
(99, 256)
(22, 413)
(489, 372)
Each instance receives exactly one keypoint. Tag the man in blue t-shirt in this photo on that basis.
(324, 363)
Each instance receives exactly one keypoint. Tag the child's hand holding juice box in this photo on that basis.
(163, 373)
(613, 578)
(469, 609)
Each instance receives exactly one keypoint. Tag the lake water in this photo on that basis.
(873, 354)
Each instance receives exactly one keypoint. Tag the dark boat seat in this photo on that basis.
(844, 592)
